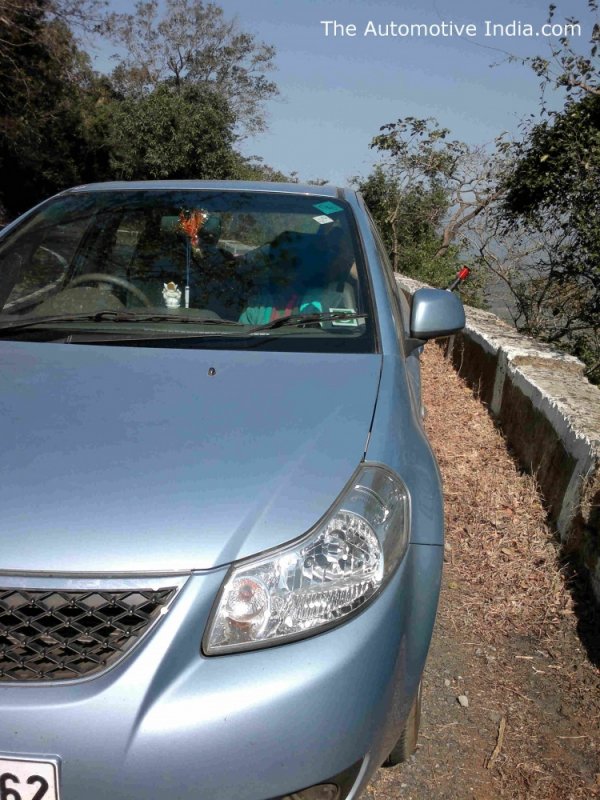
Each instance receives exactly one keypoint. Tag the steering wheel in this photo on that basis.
(60, 258)
(103, 277)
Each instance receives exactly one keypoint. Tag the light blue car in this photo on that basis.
(221, 525)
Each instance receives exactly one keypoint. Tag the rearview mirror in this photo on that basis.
(435, 312)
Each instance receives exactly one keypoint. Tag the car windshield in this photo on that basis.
(187, 268)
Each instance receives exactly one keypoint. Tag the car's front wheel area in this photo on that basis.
(407, 741)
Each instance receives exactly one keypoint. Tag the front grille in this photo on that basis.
(63, 635)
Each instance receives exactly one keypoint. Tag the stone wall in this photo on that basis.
(550, 414)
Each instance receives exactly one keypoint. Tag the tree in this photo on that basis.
(39, 29)
(62, 124)
(45, 85)
(253, 168)
(193, 43)
(172, 134)
(424, 195)
(564, 67)
(409, 219)
(553, 197)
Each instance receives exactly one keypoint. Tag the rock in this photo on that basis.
(463, 700)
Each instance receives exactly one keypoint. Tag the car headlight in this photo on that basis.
(320, 579)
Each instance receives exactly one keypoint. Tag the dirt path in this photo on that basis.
(515, 634)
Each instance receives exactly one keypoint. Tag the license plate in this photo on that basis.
(26, 779)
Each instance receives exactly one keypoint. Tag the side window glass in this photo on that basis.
(400, 302)
(47, 258)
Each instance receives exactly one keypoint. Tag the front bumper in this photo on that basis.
(167, 721)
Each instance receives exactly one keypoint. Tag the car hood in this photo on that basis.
(137, 460)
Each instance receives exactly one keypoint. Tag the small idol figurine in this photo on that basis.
(172, 295)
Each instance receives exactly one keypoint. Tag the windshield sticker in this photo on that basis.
(328, 207)
(323, 219)
(353, 322)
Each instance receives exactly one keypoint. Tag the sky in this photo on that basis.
(337, 90)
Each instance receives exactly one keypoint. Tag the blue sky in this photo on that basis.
(337, 91)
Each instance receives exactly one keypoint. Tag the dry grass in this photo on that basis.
(506, 633)
(502, 552)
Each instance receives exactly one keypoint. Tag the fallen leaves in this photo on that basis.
(496, 524)
(508, 592)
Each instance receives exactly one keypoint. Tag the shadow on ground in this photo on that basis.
(586, 608)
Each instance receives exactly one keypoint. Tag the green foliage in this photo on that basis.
(42, 121)
(254, 169)
(553, 196)
(564, 67)
(172, 134)
(421, 195)
(192, 43)
(409, 220)
(172, 109)
(419, 150)
(557, 172)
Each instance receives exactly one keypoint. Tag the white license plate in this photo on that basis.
(26, 779)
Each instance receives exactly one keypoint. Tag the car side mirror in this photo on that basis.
(435, 312)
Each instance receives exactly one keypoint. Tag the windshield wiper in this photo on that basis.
(6, 328)
(303, 319)
(112, 316)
